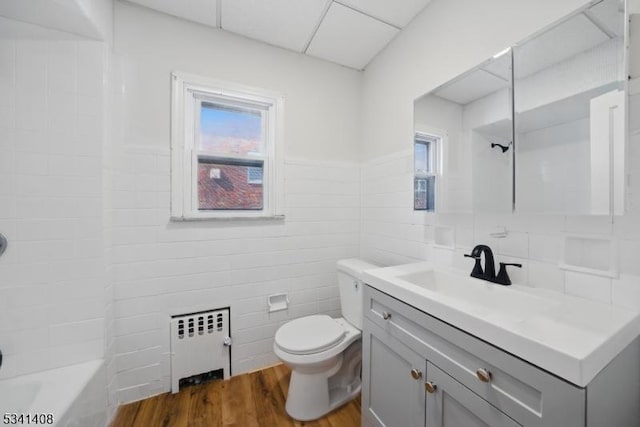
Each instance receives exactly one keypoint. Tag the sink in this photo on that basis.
(557, 332)
(479, 297)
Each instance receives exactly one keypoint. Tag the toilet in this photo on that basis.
(325, 354)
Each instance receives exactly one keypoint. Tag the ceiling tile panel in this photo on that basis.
(350, 38)
(395, 12)
(285, 23)
(201, 11)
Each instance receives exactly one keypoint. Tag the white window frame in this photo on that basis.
(188, 92)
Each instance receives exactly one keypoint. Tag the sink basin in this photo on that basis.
(571, 337)
(479, 297)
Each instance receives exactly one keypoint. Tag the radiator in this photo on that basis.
(200, 344)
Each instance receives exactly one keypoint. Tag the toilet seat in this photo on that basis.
(309, 335)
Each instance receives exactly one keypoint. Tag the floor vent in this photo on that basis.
(200, 347)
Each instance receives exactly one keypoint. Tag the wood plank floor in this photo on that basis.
(251, 400)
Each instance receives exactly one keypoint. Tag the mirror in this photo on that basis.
(465, 128)
(539, 128)
(569, 115)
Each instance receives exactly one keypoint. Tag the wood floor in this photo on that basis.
(254, 399)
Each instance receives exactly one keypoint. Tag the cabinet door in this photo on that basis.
(454, 405)
(393, 381)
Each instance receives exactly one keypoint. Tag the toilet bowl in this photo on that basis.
(324, 353)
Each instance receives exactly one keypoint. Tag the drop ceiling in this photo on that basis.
(347, 32)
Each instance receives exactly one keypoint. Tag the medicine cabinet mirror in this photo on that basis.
(538, 128)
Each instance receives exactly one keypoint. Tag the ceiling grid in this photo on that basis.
(347, 32)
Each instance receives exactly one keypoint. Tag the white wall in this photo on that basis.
(52, 276)
(448, 38)
(162, 268)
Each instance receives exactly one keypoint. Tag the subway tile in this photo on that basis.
(135, 359)
(136, 324)
(546, 247)
(545, 275)
(76, 332)
(63, 355)
(589, 224)
(588, 286)
(626, 291)
(515, 244)
(628, 257)
(90, 65)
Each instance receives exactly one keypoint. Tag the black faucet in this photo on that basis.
(489, 271)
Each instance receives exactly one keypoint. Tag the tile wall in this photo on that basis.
(162, 268)
(52, 276)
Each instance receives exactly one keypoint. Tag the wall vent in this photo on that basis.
(200, 345)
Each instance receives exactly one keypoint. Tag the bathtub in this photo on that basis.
(73, 396)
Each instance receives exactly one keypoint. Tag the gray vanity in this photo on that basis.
(433, 359)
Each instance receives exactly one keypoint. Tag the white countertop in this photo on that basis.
(571, 337)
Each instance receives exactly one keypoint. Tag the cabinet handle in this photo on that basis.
(416, 374)
(430, 387)
(386, 315)
(483, 375)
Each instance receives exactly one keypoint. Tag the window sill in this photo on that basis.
(228, 218)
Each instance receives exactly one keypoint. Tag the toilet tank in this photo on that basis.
(350, 285)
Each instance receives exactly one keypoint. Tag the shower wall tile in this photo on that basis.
(52, 276)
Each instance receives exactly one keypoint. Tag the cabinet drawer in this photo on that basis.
(526, 393)
(451, 403)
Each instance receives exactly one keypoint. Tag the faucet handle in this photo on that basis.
(515, 264)
(477, 271)
(503, 277)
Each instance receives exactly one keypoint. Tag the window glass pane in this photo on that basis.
(230, 185)
(431, 193)
(231, 129)
(254, 175)
(424, 193)
(422, 153)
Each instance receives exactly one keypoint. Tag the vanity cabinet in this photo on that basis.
(452, 404)
(420, 371)
(396, 395)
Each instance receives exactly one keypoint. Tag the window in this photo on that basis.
(224, 150)
(254, 175)
(425, 168)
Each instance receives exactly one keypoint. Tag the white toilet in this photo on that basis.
(325, 354)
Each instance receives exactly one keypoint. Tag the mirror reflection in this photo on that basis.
(463, 142)
(569, 115)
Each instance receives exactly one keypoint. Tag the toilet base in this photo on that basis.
(313, 395)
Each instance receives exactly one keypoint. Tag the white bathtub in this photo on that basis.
(75, 395)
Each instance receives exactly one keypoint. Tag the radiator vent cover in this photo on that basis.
(200, 343)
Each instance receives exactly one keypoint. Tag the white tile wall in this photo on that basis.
(52, 277)
(162, 268)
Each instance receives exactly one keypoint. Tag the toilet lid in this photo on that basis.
(310, 334)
